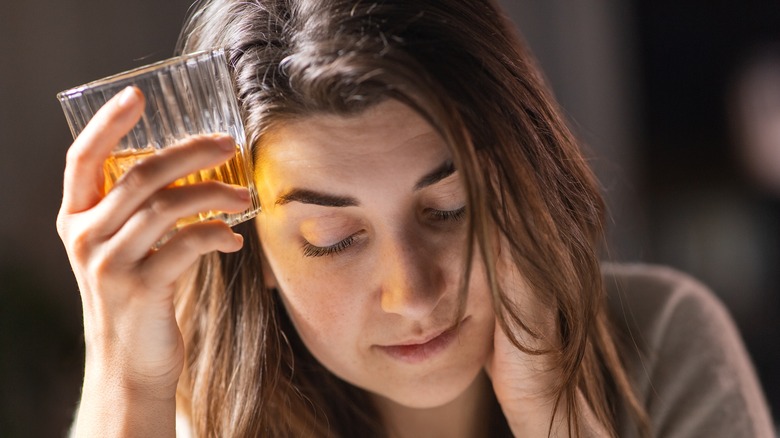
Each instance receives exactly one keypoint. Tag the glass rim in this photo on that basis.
(137, 71)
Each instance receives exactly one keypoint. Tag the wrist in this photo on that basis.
(121, 382)
(529, 417)
(533, 417)
(113, 407)
(126, 370)
(128, 390)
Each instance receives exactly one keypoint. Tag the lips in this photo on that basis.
(416, 352)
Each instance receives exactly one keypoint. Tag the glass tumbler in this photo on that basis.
(186, 95)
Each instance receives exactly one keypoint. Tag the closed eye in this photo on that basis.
(447, 215)
(310, 250)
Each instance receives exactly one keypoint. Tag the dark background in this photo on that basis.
(647, 84)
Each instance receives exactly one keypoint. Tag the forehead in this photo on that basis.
(388, 134)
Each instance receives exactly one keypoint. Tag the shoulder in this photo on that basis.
(658, 298)
(685, 354)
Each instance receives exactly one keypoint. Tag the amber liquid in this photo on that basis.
(231, 172)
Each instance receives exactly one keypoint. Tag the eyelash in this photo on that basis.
(310, 250)
(448, 215)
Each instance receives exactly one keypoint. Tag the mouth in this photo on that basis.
(416, 352)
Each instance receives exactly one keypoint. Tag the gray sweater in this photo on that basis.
(685, 355)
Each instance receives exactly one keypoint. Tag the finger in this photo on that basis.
(157, 172)
(161, 212)
(490, 358)
(83, 181)
(166, 265)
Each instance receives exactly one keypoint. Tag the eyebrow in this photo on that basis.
(314, 197)
(317, 198)
(444, 170)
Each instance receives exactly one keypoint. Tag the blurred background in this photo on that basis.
(678, 104)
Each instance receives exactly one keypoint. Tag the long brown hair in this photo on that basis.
(460, 65)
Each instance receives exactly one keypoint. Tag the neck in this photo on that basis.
(463, 417)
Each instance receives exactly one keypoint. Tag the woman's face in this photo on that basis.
(364, 229)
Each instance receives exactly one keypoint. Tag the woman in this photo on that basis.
(424, 264)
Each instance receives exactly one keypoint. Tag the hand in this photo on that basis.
(133, 343)
(523, 382)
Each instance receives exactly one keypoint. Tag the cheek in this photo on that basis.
(326, 306)
(330, 323)
(318, 322)
(319, 312)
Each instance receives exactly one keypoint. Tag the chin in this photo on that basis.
(436, 391)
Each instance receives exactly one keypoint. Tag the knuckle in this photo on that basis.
(74, 156)
(161, 204)
(62, 225)
(79, 246)
(147, 168)
(104, 263)
(140, 174)
(100, 266)
(80, 243)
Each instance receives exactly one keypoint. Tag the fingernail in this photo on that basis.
(127, 97)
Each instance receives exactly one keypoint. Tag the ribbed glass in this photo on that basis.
(186, 95)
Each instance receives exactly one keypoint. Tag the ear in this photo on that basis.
(269, 279)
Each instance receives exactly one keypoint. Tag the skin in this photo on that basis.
(134, 349)
(396, 283)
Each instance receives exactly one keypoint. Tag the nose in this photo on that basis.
(413, 281)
